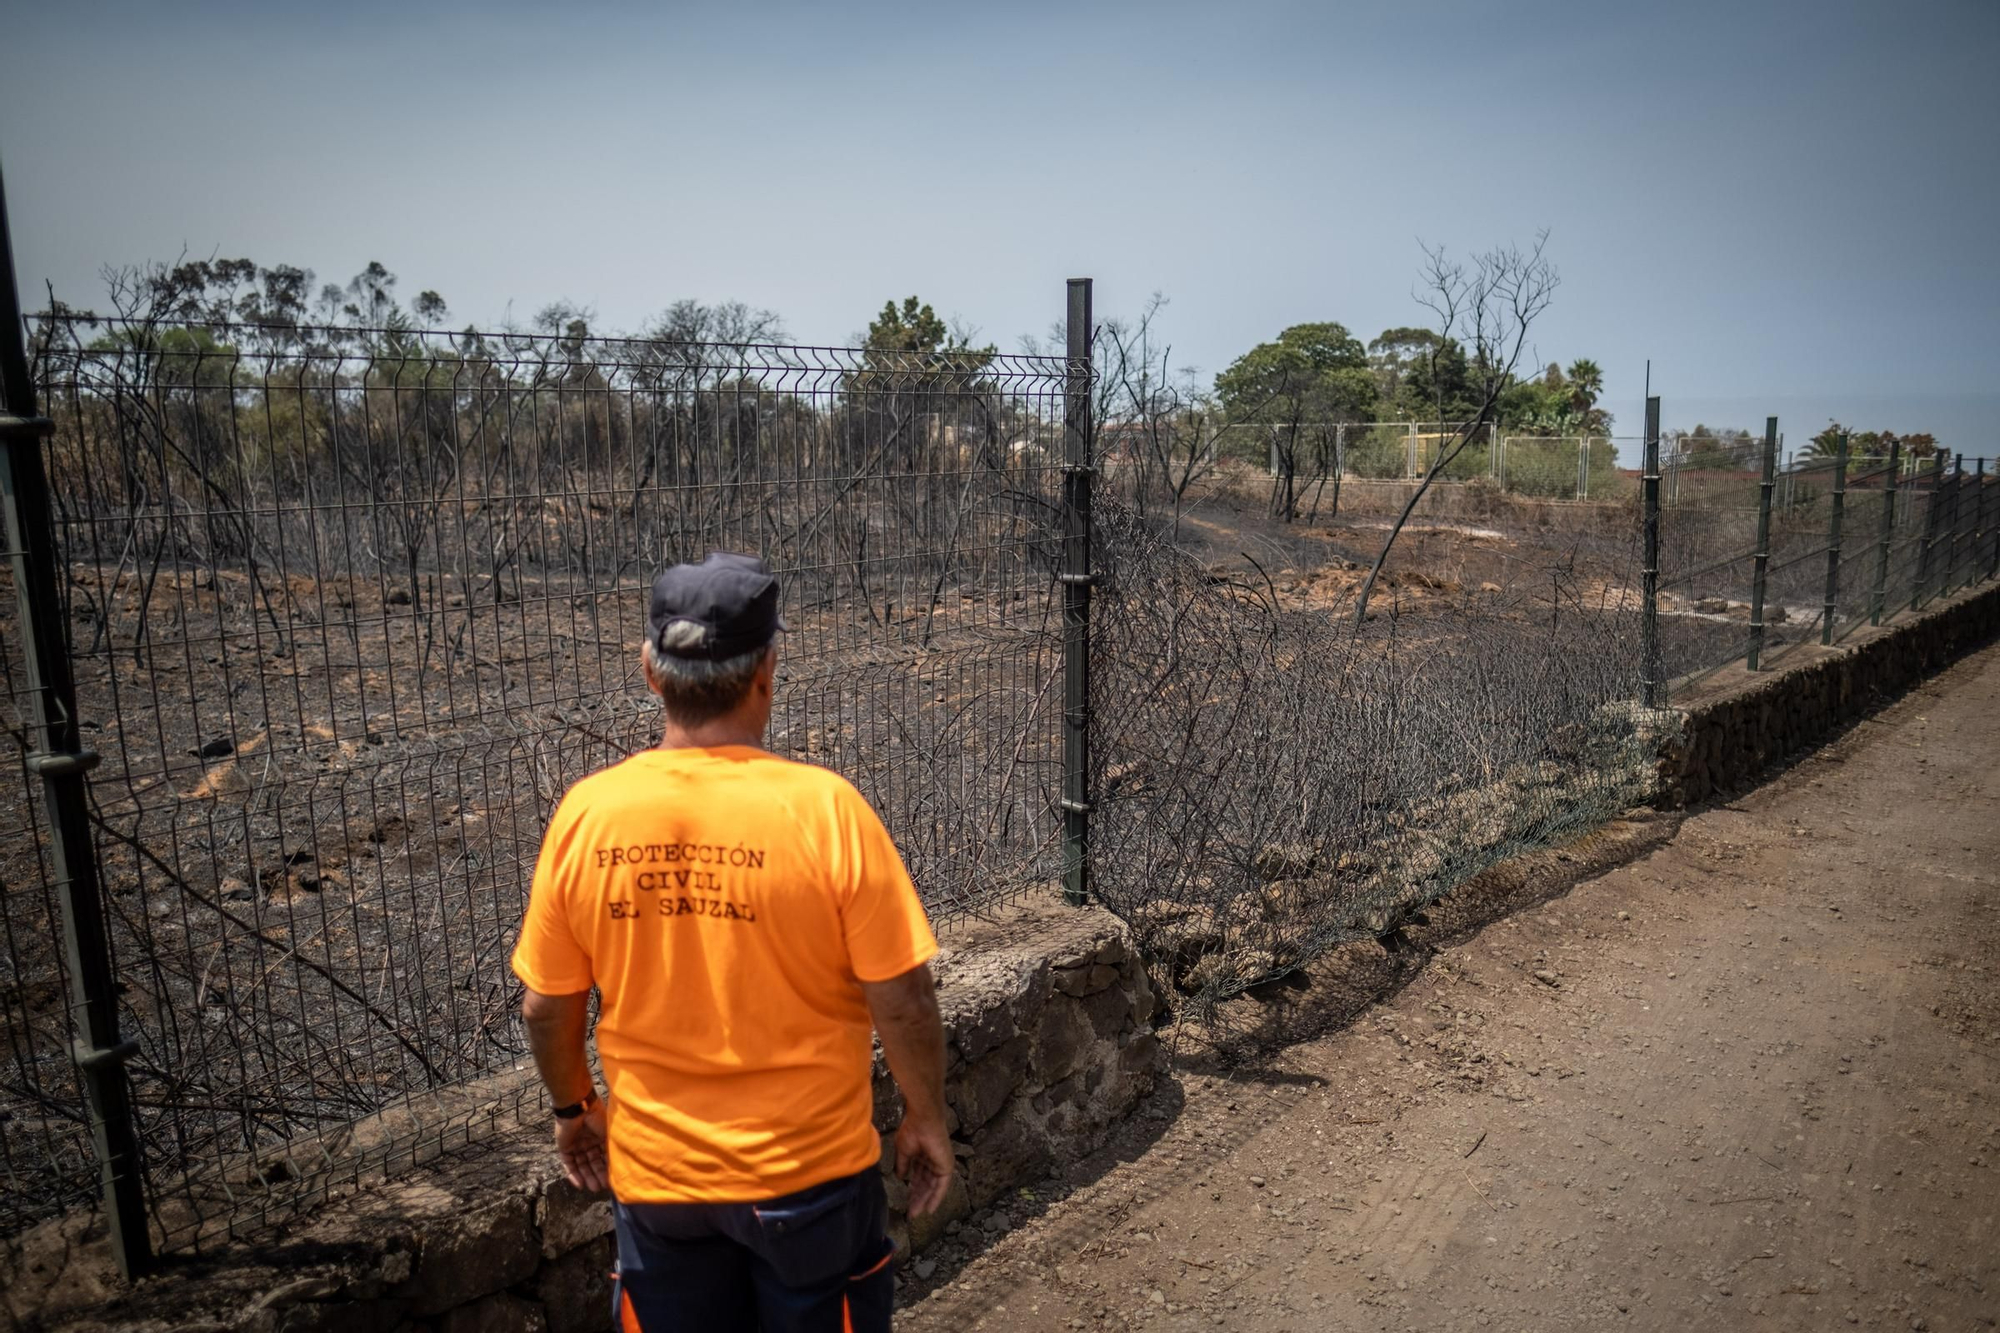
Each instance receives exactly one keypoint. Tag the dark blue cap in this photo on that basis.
(728, 605)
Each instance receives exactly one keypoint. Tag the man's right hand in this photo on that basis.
(580, 1146)
(925, 1162)
(905, 1009)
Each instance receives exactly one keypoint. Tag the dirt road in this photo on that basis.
(1748, 1081)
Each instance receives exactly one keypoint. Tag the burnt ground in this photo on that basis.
(1746, 1081)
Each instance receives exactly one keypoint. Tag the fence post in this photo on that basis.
(1951, 533)
(1976, 547)
(1929, 540)
(1993, 560)
(56, 754)
(1833, 539)
(1968, 509)
(1942, 586)
(1879, 599)
(1649, 619)
(1076, 580)
(1762, 560)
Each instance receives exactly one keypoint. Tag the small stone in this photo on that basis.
(1258, 1181)
(998, 1223)
(1624, 916)
(1547, 978)
(924, 1268)
(1156, 1297)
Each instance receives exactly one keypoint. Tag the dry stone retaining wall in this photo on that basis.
(1740, 726)
(1048, 1014)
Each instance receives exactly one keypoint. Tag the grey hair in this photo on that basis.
(695, 690)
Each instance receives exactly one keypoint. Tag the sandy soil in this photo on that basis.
(1746, 1081)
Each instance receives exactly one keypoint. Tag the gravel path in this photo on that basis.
(1747, 1081)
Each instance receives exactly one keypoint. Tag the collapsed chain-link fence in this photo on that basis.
(348, 612)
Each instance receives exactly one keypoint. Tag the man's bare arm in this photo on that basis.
(556, 1028)
(905, 1010)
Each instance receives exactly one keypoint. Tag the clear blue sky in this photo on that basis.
(1783, 203)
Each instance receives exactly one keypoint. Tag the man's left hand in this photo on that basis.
(580, 1145)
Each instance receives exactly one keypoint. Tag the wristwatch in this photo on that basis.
(575, 1109)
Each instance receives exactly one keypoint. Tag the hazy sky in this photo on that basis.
(1783, 203)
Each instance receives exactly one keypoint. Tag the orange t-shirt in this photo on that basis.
(728, 904)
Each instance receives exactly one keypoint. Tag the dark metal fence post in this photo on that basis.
(56, 754)
(1762, 560)
(1951, 537)
(1879, 599)
(1833, 539)
(1076, 579)
(1649, 622)
(1993, 559)
(1928, 543)
(1977, 546)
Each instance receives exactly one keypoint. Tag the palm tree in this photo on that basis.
(1586, 381)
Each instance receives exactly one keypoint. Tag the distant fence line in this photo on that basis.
(1756, 561)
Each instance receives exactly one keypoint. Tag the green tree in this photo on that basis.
(1301, 387)
(920, 389)
(1727, 450)
(1309, 368)
(1586, 381)
(915, 327)
(909, 349)
(1557, 402)
(1441, 386)
(1392, 357)
(1869, 443)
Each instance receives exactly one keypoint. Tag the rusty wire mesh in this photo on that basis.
(350, 609)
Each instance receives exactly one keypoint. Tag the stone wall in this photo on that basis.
(1741, 725)
(1048, 1015)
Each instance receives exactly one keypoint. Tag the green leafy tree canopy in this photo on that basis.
(1869, 443)
(1311, 373)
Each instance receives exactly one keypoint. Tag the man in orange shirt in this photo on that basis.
(746, 921)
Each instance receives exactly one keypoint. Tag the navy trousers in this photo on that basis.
(818, 1261)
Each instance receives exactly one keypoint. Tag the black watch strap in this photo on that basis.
(575, 1109)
